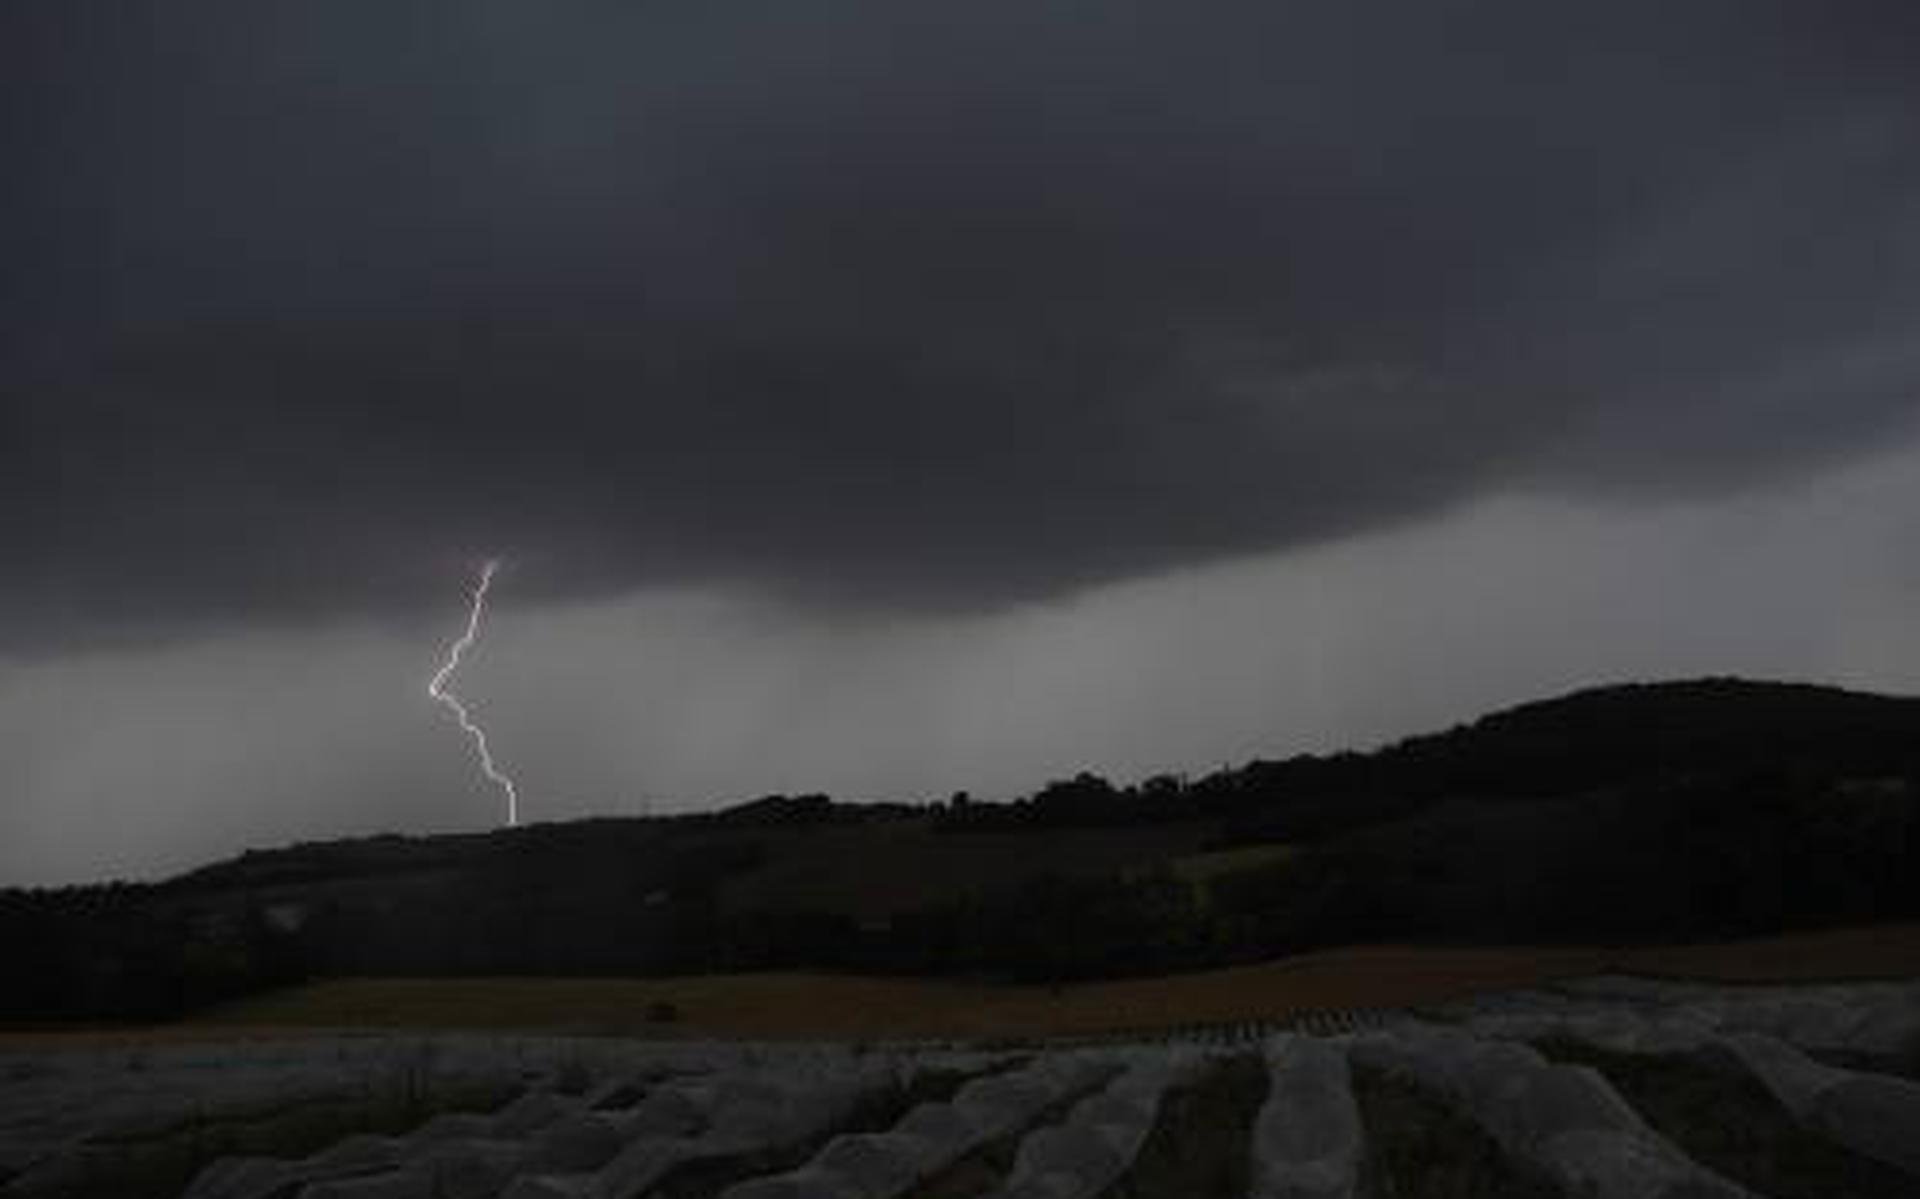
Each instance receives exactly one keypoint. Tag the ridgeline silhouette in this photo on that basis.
(1632, 814)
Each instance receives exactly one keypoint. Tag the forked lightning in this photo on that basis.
(437, 688)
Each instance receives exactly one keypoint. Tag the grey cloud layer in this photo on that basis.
(908, 303)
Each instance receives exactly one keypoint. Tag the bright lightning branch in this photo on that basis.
(437, 688)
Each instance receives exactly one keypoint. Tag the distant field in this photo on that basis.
(845, 1007)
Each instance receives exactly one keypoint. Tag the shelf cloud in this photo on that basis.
(891, 305)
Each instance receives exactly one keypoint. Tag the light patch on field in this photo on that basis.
(1199, 868)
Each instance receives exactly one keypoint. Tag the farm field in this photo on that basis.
(1605, 1085)
(797, 1005)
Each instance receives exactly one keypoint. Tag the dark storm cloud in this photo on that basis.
(908, 303)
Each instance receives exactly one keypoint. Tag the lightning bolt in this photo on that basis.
(437, 688)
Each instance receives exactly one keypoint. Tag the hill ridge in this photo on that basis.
(1631, 813)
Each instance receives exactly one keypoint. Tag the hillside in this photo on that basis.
(1644, 813)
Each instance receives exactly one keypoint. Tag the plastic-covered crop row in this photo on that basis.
(1100, 1138)
(930, 1137)
(1307, 1141)
(1565, 1123)
(745, 1113)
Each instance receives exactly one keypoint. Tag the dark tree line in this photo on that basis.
(110, 954)
(1585, 743)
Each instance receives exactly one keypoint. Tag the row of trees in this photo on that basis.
(1631, 736)
(110, 954)
(1727, 855)
(1715, 856)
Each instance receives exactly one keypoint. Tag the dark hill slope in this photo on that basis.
(1607, 736)
(1645, 812)
(1664, 812)
(1634, 735)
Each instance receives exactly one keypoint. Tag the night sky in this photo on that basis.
(890, 397)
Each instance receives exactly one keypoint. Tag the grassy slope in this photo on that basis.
(884, 867)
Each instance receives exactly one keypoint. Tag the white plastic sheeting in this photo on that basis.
(1564, 1122)
(802, 1098)
(1102, 1135)
(649, 1106)
(369, 1066)
(882, 1165)
(1862, 1018)
(1307, 1141)
(476, 1145)
(1869, 1113)
(457, 1154)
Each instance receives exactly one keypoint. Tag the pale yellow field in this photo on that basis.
(852, 1008)
(787, 1005)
